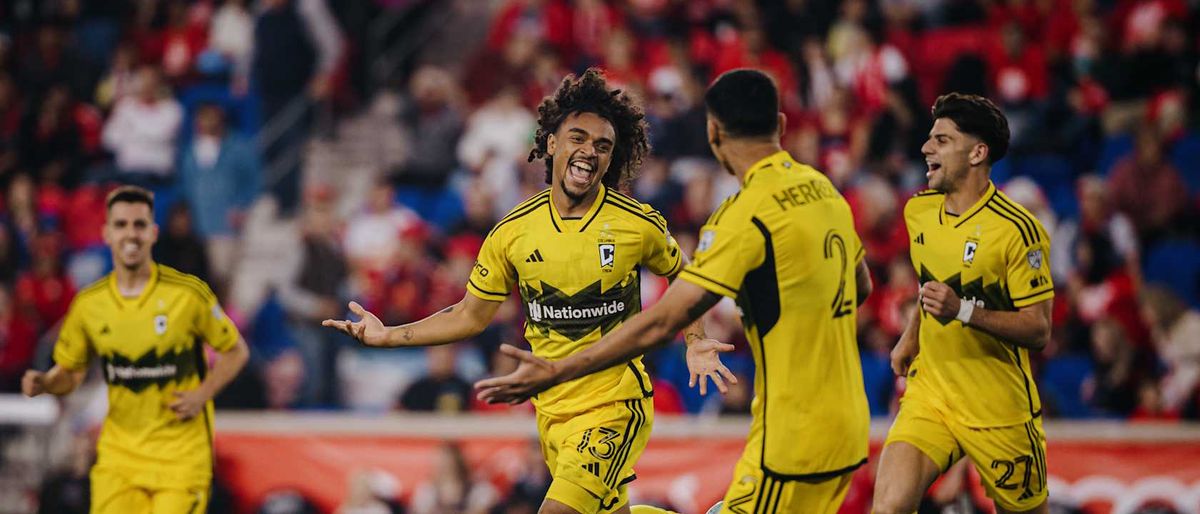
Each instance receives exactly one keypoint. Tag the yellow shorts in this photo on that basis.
(591, 455)
(1011, 460)
(754, 492)
(113, 493)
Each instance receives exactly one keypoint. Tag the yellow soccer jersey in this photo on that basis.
(149, 347)
(579, 280)
(997, 255)
(785, 248)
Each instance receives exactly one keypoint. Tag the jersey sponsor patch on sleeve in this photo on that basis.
(706, 240)
(1035, 258)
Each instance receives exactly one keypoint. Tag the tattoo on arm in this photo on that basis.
(406, 334)
(447, 310)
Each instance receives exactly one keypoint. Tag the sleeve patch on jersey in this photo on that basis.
(706, 240)
(1035, 258)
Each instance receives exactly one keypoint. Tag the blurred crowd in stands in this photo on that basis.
(216, 105)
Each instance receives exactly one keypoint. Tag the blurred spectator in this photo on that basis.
(1096, 216)
(373, 241)
(8, 252)
(1102, 288)
(18, 341)
(185, 37)
(142, 129)
(1018, 70)
(1175, 329)
(452, 489)
(547, 20)
(1146, 187)
(232, 35)
(68, 490)
(312, 291)
(434, 125)
(497, 137)
(530, 480)
(297, 47)
(361, 498)
(54, 144)
(179, 247)
(1150, 405)
(879, 221)
(44, 287)
(1112, 388)
(219, 175)
(52, 60)
(441, 390)
(121, 79)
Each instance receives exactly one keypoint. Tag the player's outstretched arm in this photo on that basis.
(1028, 327)
(58, 381)
(230, 362)
(463, 320)
(683, 303)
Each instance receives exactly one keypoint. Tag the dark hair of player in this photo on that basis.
(590, 93)
(130, 194)
(745, 102)
(977, 116)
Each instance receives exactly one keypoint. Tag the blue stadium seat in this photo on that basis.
(1114, 149)
(879, 381)
(1176, 264)
(1056, 177)
(1185, 155)
(1060, 384)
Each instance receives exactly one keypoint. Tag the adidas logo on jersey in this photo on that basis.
(536, 256)
(920, 239)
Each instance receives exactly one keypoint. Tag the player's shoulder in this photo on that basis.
(629, 208)
(92, 291)
(172, 278)
(522, 210)
(1019, 221)
(924, 201)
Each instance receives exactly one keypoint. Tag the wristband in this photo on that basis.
(965, 309)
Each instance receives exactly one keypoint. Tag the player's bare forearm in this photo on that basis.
(682, 304)
(1028, 327)
(228, 365)
(695, 330)
(59, 381)
(463, 320)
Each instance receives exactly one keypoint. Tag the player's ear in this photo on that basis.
(781, 119)
(714, 132)
(551, 144)
(978, 154)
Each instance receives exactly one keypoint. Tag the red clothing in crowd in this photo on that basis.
(49, 295)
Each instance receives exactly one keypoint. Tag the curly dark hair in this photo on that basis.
(590, 93)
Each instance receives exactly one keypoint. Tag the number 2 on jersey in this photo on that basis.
(834, 243)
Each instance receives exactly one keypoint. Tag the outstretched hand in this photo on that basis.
(368, 330)
(704, 363)
(532, 376)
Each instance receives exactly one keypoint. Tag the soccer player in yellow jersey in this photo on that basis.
(573, 251)
(785, 248)
(983, 264)
(146, 322)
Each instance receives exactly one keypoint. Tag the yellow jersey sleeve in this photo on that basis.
(72, 349)
(660, 252)
(729, 247)
(493, 276)
(212, 325)
(1027, 269)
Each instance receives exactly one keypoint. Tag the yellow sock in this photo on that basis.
(646, 509)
